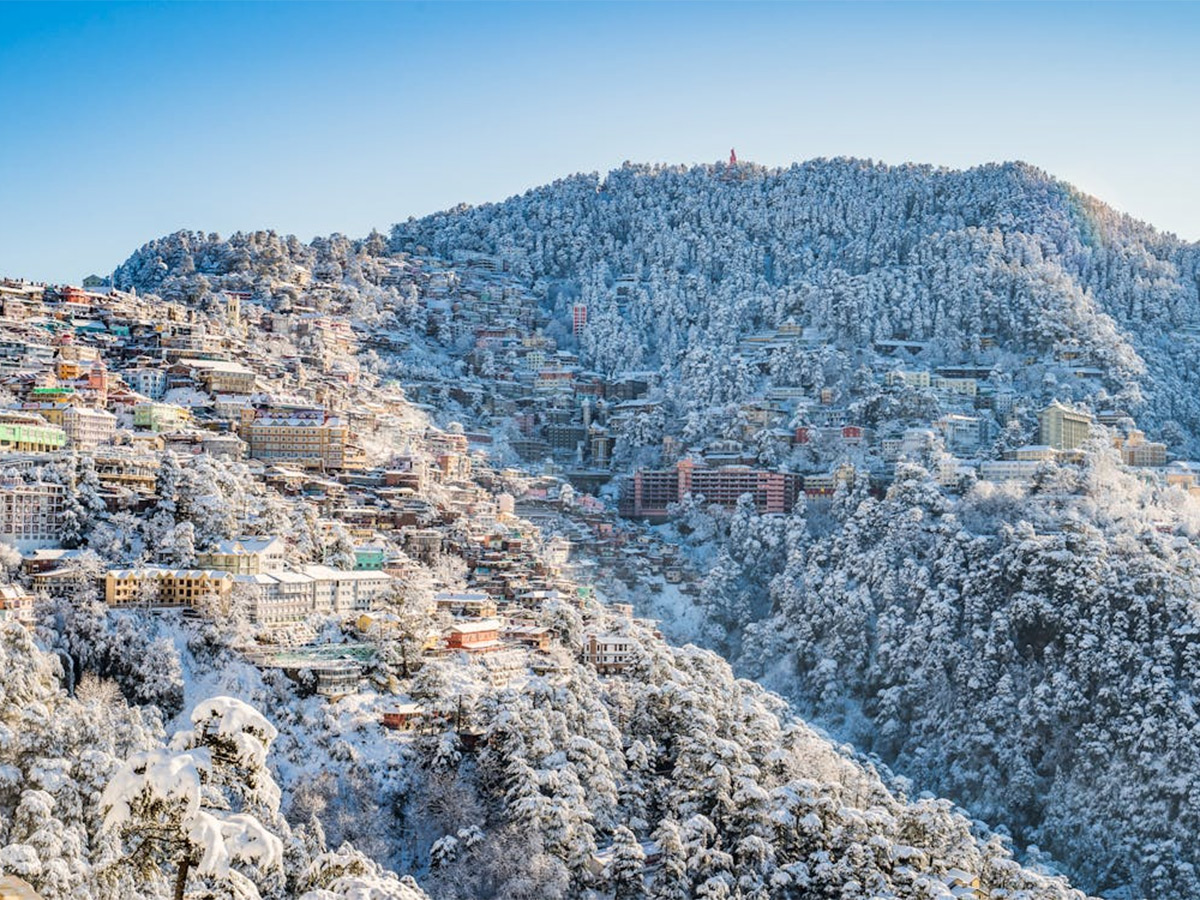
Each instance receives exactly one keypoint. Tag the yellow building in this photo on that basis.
(154, 586)
(306, 438)
(913, 379)
(1063, 428)
(1137, 451)
(220, 376)
(246, 556)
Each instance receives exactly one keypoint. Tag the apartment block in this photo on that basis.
(31, 514)
(160, 417)
(26, 433)
(155, 586)
(649, 493)
(310, 439)
(87, 428)
(1063, 428)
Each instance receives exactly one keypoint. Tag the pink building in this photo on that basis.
(649, 493)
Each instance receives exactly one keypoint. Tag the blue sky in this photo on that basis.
(126, 121)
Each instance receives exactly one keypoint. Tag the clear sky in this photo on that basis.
(124, 122)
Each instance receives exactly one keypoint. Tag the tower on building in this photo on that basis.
(98, 381)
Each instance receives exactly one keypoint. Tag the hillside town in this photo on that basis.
(542, 492)
(410, 491)
(541, 495)
(230, 462)
(591, 451)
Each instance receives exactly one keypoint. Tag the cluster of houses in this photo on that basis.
(121, 380)
(559, 411)
(952, 447)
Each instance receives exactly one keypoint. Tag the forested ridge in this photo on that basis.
(1030, 653)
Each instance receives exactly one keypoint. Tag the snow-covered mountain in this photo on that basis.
(866, 251)
(1029, 652)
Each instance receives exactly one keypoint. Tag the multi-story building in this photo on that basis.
(951, 471)
(566, 438)
(535, 636)
(309, 438)
(282, 596)
(160, 416)
(1063, 428)
(961, 433)
(278, 598)
(820, 487)
(17, 604)
(649, 493)
(149, 382)
(554, 381)
(370, 557)
(49, 402)
(1184, 475)
(918, 378)
(61, 582)
(1032, 452)
(1137, 451)
(120, 467)
(966, 387)
(609, 653)
(87, 428)
(339, 591)
(245, 556)
(155, 586)
(424, 543)
(176, 346)
(220, 376)
(1018, 470)
(31, 513)
(28, 433)
(466, 605)
(481, 636)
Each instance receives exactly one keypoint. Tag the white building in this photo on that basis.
(964, 387)
(609, 652)
(87, 428)
(1018, 470)
(282, 597)
(31, 515)
(278, 598)
(339, 591)
(917, 442)
(150, 383)
(951, 471)
(962, 434)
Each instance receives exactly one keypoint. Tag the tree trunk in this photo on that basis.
(181, 875)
